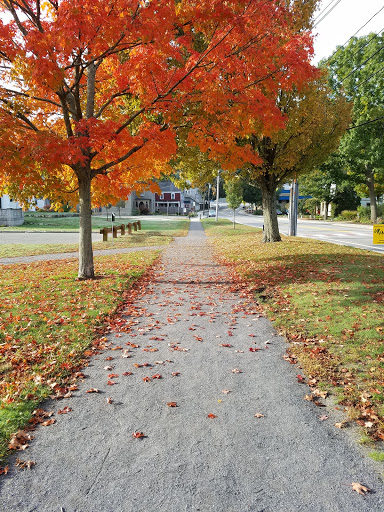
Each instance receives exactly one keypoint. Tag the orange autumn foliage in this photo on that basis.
(92, 92)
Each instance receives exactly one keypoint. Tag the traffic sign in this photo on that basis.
(378, 234)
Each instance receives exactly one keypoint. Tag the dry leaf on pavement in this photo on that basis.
(24, 464)
(361, 489)
(138, 435)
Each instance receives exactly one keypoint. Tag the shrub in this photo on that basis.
(364, 212)
(348, 215)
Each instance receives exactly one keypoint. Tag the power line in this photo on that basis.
(370, 76)
(367, 43)
(326, 14)
(365, 24)
(358, 67)
(361, 28)
(323, 11)
(367, 122)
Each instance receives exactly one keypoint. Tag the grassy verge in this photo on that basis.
(57, 222)
(152, 233)
(329, 302)
(49, 322)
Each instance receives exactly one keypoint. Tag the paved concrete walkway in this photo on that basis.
(188, 338)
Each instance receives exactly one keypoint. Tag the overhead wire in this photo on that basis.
(323, 11)
(326, 14)
(362, 64)
(366, 44)
(370, 76)
(357, 31)
(367, 122)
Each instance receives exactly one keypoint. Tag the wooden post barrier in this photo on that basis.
(105, 232)
(135, 226)
(122, 228)
(139, 224)
(129, 227)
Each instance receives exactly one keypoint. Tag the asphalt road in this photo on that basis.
(355, 235)
(209, 453)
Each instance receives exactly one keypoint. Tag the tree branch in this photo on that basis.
(101, 170)
(107, 103)
(67, 121)
(25, 95)
(20, 116)
(11, 9)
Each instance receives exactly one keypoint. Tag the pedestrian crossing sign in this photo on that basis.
(378, 234)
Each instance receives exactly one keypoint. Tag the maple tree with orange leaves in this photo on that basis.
(93, 92)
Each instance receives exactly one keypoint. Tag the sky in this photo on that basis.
(343, 21)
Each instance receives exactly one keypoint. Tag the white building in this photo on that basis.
(11, 213)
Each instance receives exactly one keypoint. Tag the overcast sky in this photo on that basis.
(343, 21)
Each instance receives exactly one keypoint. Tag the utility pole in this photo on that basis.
(217, 195)
(293, 208)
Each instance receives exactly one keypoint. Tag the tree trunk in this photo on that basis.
(268, 192)
(371, 187)
(86, 269)
(325, 210)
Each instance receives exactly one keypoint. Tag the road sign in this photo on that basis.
(378, 234)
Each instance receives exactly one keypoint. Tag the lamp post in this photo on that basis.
(293, 208)
(217, 195)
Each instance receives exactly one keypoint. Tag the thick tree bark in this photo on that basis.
(86, 268)
(268, 186)
(372, 196)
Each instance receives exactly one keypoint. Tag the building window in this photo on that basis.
(172, 195)
(161, 196)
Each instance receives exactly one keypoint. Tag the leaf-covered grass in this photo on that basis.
(57, 222)
(152, 233)
(329, 301)
(48, 323)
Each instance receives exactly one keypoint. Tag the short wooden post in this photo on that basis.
(135, 226)
(104, 232)
(114, 234)
(139, 224)
(122, 227)
(129, 227)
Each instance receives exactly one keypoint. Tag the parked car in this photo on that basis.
(210, 213)
(279, 212)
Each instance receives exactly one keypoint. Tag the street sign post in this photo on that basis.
(378, 234)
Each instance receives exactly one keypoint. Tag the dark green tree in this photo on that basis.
(234, 193)
(357, 70)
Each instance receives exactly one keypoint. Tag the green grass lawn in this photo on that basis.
(157, 232)
(49, 323)
(34, 221)
(329, 302)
